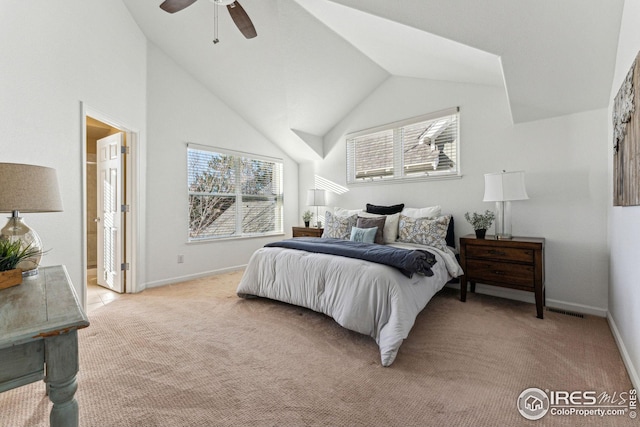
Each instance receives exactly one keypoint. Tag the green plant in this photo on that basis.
(480, 221)
(306, 217)
(12, 254)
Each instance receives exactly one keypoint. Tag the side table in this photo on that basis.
(39, 322)
(517, 263)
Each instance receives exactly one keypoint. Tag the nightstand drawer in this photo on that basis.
(307, 232)
(500, 253)
(498, 272)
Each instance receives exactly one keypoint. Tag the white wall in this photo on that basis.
(181, 110)
(624, 222)
(54, 57)
(93, 52)
(566, 178)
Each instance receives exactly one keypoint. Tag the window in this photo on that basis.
(419, 148)
(232, 194)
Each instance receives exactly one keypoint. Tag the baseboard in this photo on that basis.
(524, 296)
(577, 308)
(188, 277)
(628, 363)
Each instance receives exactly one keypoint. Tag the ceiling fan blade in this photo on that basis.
(173, 6)
(242, 20)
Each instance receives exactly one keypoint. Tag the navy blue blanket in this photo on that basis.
(406, 260)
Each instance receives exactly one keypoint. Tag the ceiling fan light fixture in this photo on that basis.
(237, 12)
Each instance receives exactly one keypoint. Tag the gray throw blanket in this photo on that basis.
(406, 260)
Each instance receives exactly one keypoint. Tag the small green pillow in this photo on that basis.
(364, 235)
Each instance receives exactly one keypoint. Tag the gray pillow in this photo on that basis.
(337, 227)
(373, 222)
(424, 231)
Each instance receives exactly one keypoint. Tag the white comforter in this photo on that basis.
(369, 298)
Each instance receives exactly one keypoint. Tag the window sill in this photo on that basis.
(231, 238)
(404, 180)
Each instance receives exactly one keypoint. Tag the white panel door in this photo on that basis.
(109, 212)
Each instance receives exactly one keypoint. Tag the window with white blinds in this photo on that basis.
(420, 148)
(233, 194)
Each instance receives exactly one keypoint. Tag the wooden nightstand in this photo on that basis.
(307, 232)
(517, 263)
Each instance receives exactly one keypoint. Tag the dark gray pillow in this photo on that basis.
(384, 210)
(373, 222)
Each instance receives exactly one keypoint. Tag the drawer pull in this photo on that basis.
(494, 252)
(497, 272)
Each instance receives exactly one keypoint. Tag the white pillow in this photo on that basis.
(390, 231)
(428, 212)
(337, 211)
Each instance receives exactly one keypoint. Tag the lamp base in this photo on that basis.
(30, 273)
(17, 230)
(503, 220)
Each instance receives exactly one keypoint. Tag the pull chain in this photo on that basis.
(215, 24)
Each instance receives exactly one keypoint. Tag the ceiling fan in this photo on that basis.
(238, 14)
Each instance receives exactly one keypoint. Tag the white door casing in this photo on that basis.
(109, 219)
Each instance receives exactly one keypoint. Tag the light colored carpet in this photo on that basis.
(194, 354)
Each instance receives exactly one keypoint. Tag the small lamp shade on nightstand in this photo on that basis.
(502, 188)
(27, 188)
(316, 197)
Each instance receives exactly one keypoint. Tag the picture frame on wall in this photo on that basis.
(626, 139)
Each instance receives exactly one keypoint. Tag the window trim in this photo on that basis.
(397, 148)
(235, 153)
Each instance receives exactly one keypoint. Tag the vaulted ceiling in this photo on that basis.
(315, 60)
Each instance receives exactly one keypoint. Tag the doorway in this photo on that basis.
(108, 261)
(97, 294)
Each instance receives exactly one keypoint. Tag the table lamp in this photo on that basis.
(502, 188)
(316, 197)
(27, 188)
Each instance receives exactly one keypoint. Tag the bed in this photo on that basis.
(374, 299)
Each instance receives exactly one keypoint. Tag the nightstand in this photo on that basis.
(517, 264)
(307, 232)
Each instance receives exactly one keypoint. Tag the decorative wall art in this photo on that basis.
(626, 139)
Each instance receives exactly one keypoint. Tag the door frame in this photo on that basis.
(133, 185)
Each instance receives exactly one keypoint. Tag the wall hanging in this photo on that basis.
(626, 140)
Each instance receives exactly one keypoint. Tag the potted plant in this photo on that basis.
(306, 217)
(480, 222)
(11, 255)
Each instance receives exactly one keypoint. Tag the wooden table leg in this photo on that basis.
(539, 292)
(61, 357)
(463, 288)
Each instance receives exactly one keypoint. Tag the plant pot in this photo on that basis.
(10, 278)
(306, 224)
(480, 234)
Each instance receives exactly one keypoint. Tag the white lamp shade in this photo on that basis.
(504, 186)
(316, 198)
(29, 188)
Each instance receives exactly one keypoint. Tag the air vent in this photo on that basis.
(565, 312)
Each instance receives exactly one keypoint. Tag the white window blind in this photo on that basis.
(233, 194)
(419, 148)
